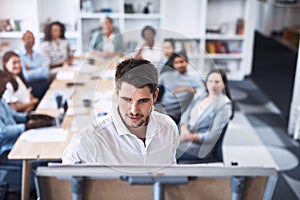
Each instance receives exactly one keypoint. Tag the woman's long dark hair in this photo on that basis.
(5, 59)
(47, 31)
(226, 87)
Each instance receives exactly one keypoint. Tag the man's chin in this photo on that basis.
(134, 124)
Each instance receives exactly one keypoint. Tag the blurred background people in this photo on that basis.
(55, 47)
(34, 66)
(107, 41)
(18, 93)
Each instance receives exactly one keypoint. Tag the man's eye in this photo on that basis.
(144, 100)
(126, 99)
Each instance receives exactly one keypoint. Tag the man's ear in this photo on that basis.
(155, 95)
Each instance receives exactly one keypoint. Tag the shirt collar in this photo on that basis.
(23, 51)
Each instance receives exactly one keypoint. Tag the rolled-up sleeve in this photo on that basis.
(11, 130)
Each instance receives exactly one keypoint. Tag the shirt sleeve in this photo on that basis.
(11, 130)
(40, 69)
(19, 117)
(73, 152)
(176, 144)
(94, 39)
(120, 47)
(184, 120)
(9, 94)
(45, 53)
(219, 121)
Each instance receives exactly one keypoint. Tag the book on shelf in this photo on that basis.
(227, 66)
(9, 25)
(191, 47)
(240, 24)
(87, 6)
(216, 47)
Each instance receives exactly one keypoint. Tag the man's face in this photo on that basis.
(180, 64)
(149, 36)
(28, 40)
(107, 26)
(135, 104)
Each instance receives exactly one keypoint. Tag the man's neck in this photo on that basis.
(139, 132)
(29, 50)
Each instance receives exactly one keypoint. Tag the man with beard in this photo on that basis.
(132, 133)
(179, 88)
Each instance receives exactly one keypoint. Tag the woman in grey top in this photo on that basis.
(202, 123)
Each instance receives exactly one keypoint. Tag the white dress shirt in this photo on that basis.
(22, 94)
(109, 142)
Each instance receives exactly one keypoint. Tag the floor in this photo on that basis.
(269, 124)
(264, 99)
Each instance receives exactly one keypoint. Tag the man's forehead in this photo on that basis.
(128, 89)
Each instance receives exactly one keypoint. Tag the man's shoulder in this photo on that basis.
(163, 119)
(96, 125)
(168, 75)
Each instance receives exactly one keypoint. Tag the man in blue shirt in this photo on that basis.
(34, 67)
(178, 88)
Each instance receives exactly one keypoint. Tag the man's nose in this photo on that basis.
(134, 108)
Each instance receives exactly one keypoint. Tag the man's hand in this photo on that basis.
(39, 117)
(39, 124)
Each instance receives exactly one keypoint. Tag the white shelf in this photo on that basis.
(194, 56)
(224, 37)
(223, 56)
(235, 76)
(13, 35)
(99, 15)
(142, 16)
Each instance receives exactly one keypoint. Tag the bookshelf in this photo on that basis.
(128, 17)
(223, 29)
(207, 23)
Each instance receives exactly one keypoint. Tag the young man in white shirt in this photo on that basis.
(132, 134)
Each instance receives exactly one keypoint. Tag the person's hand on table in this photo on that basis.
(39, 117)
(39, 124)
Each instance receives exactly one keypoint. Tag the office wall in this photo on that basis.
(295, 103)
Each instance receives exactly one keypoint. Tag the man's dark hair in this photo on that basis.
(172, 42)
(137, 72)
(148, 28)
(181, 54)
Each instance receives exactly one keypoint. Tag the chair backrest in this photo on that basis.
(217, 151)
(216, 154)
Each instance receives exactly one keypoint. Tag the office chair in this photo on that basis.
(216, 153)
(10, 173)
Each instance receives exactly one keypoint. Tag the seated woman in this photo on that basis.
(55, 48)
(13, 124)
(203, 122)
(18, 93)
